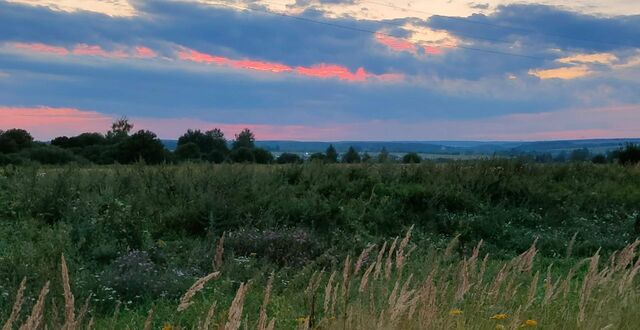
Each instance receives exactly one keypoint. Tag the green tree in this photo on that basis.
(120, 129)
(242, 155)
(352, 156)
(318, 157)
(143, 145)
(262, 156)
(332, 154)
(411, 158)
(288, 158)
(189, 150)
(383, 156)
(245, 139)
(629, 155)
(15, 140)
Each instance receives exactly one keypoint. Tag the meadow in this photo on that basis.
(482, 244)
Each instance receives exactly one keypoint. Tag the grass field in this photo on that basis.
(480, 244)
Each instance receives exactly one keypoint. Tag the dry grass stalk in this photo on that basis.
(572, 242)
(626, 256)
(533, 287)
(427, 296)
(524, 262)
(365, 278)
(310, 294)
(83, 311)
(549, 286)
(463, 280)
(587, 286)
(262, 319)
(346, 277)
(148, 323)
(185, 301)
(218, 258)
(378, 268)
(363, 256)
(453, 244)
(388, 263)
(334, 299)
(327, 292)
(497, 282)
(271, 325)
(37, 312)
(400, 252)
(17, 305)
(69, 300)
(483, 270)
(474, 256)
(209, 318)
(235, 311)
(402, 303)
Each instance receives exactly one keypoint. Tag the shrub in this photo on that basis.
(283, 247)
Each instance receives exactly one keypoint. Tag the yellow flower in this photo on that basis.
(301, 319)
(499, 316)
(167, 327)
(500, 327)
(455, 312)
(530, 323)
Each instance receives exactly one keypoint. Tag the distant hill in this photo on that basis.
(442, 147)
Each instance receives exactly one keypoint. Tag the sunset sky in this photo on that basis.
(324, 69)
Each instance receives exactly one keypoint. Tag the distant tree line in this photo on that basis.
(124, 146)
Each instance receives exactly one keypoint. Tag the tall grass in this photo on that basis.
(472, 293)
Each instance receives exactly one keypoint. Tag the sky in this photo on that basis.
(324, 70)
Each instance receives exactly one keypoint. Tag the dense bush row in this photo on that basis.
(164, 220)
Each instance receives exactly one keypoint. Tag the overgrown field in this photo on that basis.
(136, 238)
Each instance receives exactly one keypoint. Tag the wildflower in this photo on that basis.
(167, 327)
(301, 319)
(500, 327)
(455, 312)
(500, 316)
(530, 323)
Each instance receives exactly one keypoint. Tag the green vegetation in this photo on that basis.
(141, 235)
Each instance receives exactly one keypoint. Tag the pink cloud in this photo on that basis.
(432, 50)
(144, 52)
(396, 44)
(261, 66)
(333, 71)
(322, 70)
(41, 48)
(86, 50)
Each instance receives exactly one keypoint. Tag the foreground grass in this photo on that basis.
(382, 289)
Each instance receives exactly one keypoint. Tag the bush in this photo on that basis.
(50, 155)
(288, 158)
(282, 247)
(411, 158)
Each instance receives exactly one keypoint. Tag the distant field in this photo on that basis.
(135, 238)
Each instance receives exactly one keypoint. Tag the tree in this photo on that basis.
(599, 159)
(242, 155)
(332, 154)
(245, 139)
(383, 156)
(630, 155)
(262, 156)
(411, 158)
(579, 155)
(15, 140)
(352, 156)
(120, 129)
(188, 150)
(366, 158)
(143, 145)
(318, 157)
(288, 158)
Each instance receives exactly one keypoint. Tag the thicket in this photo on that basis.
(141, 233)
